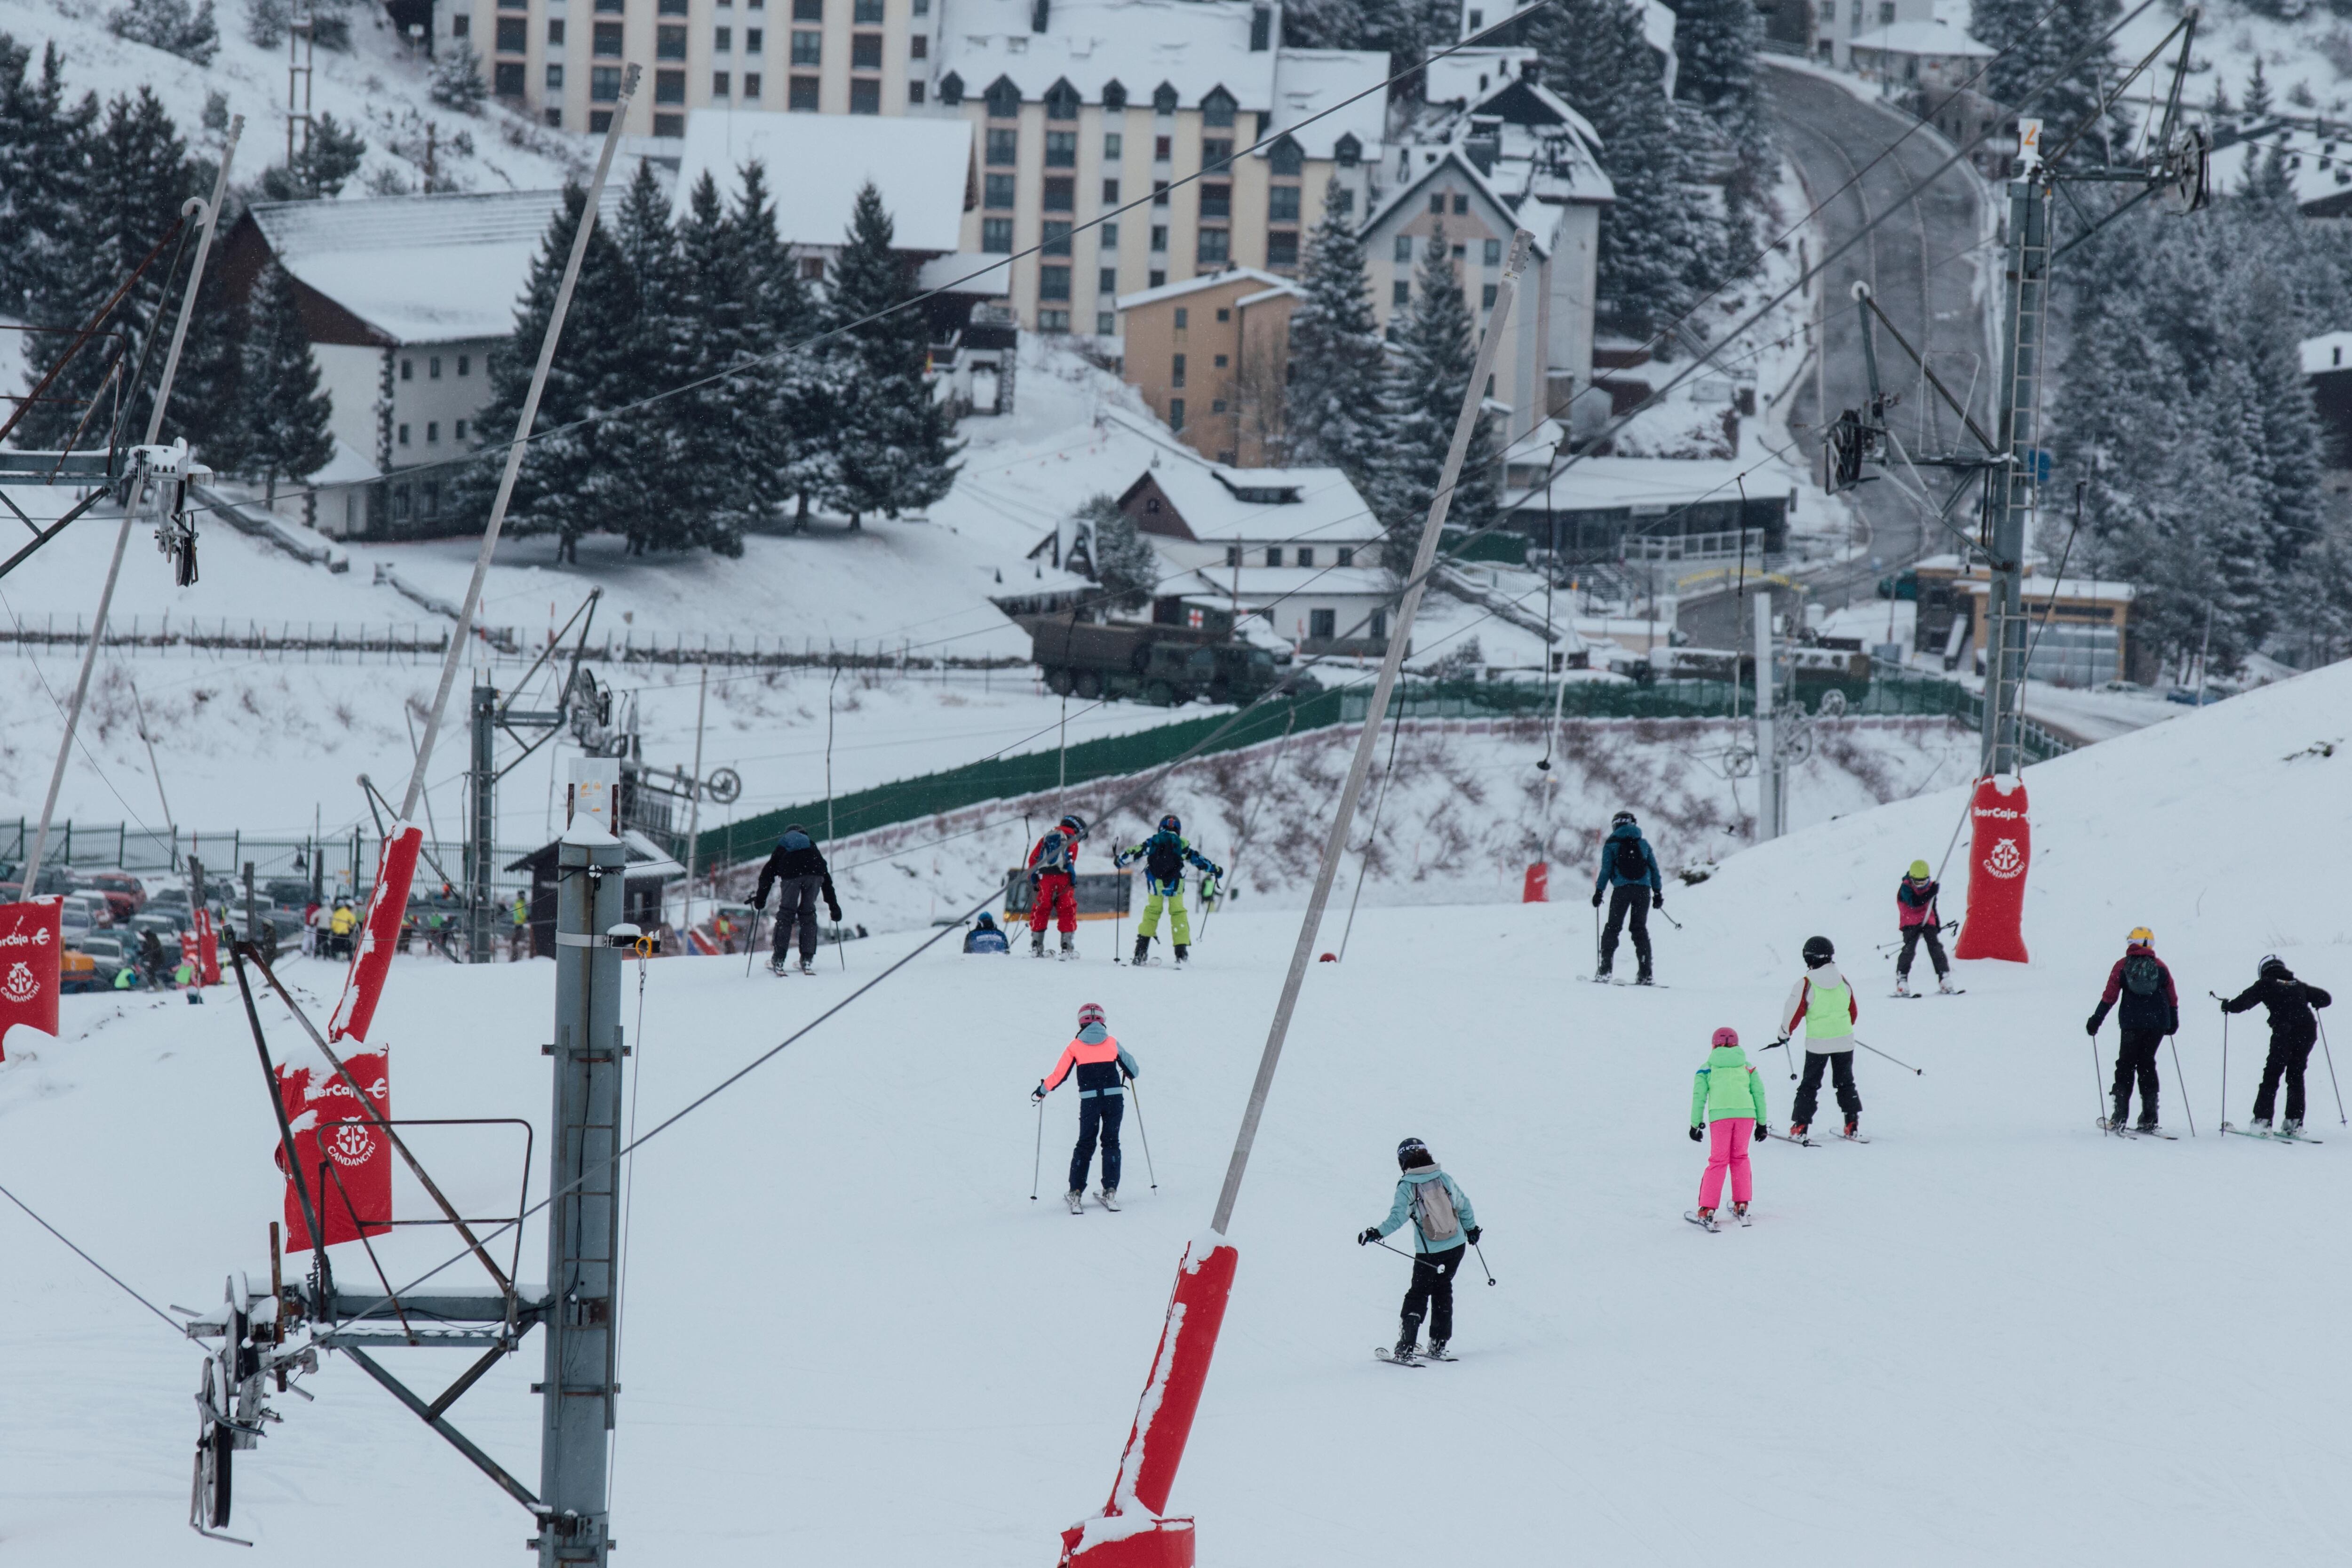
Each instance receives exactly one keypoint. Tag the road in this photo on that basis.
(1920, 262)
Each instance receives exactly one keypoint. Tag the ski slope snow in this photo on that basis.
(1992, 1336)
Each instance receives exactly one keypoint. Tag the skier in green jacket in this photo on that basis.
(1164, 856)
(1728, 1102)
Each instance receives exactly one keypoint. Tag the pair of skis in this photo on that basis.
(1611, 980)
(1411, 1358)
(1103, 1195)
(2120, 1131)
(1922, 995)
(1712, 1223)
(2272, 1133)
(1809, 1141)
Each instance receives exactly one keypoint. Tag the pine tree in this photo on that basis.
(637, 452)
(896, 450)
(208, 402)
(1331, 407)
(1124, 562)
(286, 413)
(457, 80)
(717, 422)
(799, 386)
(321, 167)
(136, 175)
(2042, 52)
(172, 26)
(44, 155)
(1715, 44)
(1435, 353)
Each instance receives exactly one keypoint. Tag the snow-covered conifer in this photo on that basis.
(896, 450)
(1332, 406)
(1434, 353)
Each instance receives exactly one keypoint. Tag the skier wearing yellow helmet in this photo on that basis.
(1916, 917)
(2150, 1010)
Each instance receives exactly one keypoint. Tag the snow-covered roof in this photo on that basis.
(2325, 352)
(1261, 585)
(971, 272)
(817, 163)
(1593, 484)
(1268, 284)
(1191, 45)
(1307, 82)
(1467, 74)
(1428, 162)
(1937, 37)
(2041, 590)
(347, 467)
(1234, 506)
(419, 269)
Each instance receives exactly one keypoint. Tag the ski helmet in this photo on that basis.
(1727, 1038)
(1918, 870)
(1091, 1013)
(2271, 964)
(1621, 819)
(1413, 1152)
(2140, 934)
(1819, 950)
(1168, 823)
(1075, 824)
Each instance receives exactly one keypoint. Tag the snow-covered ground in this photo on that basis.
(1994, 1337)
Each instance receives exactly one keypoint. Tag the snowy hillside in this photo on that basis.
(1992, 1336)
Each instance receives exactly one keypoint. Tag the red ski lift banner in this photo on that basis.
(380, 936)
(30, 941)
(2001, 847)
(207, 957)
(330, 1126)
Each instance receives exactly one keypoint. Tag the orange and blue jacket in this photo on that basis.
(1100, 1061)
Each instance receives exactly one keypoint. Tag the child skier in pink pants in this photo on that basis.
(1728, 1101)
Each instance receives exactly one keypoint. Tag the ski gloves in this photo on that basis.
(834, 911)
(1596, 898)
(1471, 1236)
(1367, 1235)
(2091, 1024)
(1698, 1136)
(1760, 1133)
(1037, 1095)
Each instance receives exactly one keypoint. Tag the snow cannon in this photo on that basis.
(1132, 1531)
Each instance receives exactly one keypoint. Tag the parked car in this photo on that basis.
(83, 911)
(120, 905)
(106, 953)
(165, 924)
(118, 882)
(55, 878)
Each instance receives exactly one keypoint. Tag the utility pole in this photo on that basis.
(481, 820)
(2013, 488)
(1770, 775)
(584, 1224)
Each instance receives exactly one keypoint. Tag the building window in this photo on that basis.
(1403, 251)
(1107, 281)
(1053, 283)
(508, 79)
(608, 7)
(1487, 297)
(670, 7)
(1107, 236)
(1061, 102)
(554, 77)
(1220, 361)
(1106, 324)
(1214, 248)
(802, 95)
(808, 10)
(1114, 96)
(865, 97)
(722, 41)
(1274, 555)
(1437, 205)
(1285, 158)
(811, 268)
(996, 235)
(433, 368)
(408, 370)
(751, 85)
(996, 190)
(1176, 415)
(808, 49)
(514, 35)
(1461, 203)
(1233, 554)
(669, 44)
(1004, 145)
(1183, 318)
(1061, 194)
(1281, 247)
(1217, 109)
(721, 87)
(1216, 201)
(919, 46)
(1061, 149)
(1155, 279)
(866, 51)
(461, 26)
(1111, 193)
(1112, 143)
(1159, 193)
(1321, 625)
(1216, 152)
(1176, 370)
(1400, 292)
(951, 90)
(465, 364)
(432, 431)
(1158, 237)
(404, 434)
(458, 431)
(1056, 236)
(1053, 320)
(431, 492)
(754, 41)
(1163, 98)
(1004, 99)
(400, 503)
(601, 119)
(1160, 148)
(915, 87)
(673, 125)
(1348, 152)
(867, 11)
(669, 87)
(1346, 556)
(607, 43)
(1282, 205)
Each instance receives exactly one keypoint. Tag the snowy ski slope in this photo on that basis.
(1992, 1336)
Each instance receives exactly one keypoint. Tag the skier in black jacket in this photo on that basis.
(1628, 880)
(798, 867)
(2294, 1028)
(2151, 1010)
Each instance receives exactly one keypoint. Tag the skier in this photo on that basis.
(151, 967)
(1053, 865)
(797, 867)
(339, 926)
(1823, 1003)
(519, 933)
(1104, 1066)
(986, 936)
(2151, 1010)
(1629, 879)
(1916, 917)
(1728, 1102)
(1164, 856)
(1445, 1227)
(2293, 1027)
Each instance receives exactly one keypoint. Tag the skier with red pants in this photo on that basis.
(2150, 1010)
(2295, 1027)
(1053, 866)
(1104, 1067)
(1916, 918)
(1726, 1111)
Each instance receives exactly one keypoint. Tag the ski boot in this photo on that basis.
(1438, 1352)
(1797, 1129)
(1943, 984)
(1069, 945)
(1107, 1198)
(1077, 1199)
(1038, 944)
(1851, 1124)
(1142, 951)
(1183, 952)
(1601, 976)
(2259, 1124)
(1740, 1213)
(776, 967)
(1408, 1343)
(1642, 976)
(808, 966)
(1704, 1219)
(1903, 985)
(2292, 1127)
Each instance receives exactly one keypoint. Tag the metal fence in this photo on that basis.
(345, 864)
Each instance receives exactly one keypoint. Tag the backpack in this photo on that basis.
(1633, 866)
(1055, 852)
(1165, 857)
(2143, 976)
(1432, 1211)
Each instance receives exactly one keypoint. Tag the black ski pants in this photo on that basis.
(1431, 1294)
(1630, 899)
(1809, 1092)
(2136, 1059)
(2287, 1059)
(796, 900)
(1912, 937)
(1097, 1116)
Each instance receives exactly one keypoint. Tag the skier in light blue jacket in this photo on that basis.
(1445, 1227)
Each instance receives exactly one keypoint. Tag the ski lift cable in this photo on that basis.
(94, 1263)
(81, 742)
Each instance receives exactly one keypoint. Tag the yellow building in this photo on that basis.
(1211, 355)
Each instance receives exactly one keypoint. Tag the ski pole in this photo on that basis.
(2225, 1059)
(751, 948)
(1874, 1050)
(1792, 1056)
(2097, 1092)
(1482, 1262)
(1037, 1161)
(1146, 1134)
(2331, 1068)
(2184, 1085)
(1659, 910)
(1596, 940)
(1384, 1246)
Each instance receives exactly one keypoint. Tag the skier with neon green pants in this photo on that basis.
(1164, 856)
(1822, 1006)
